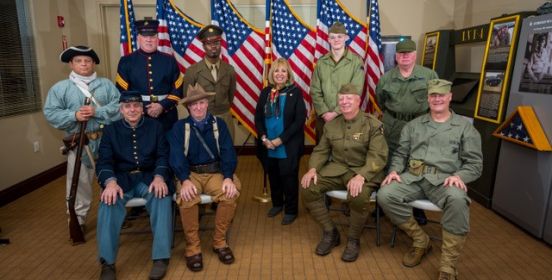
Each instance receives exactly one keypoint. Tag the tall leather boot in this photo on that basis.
(450, 251)
(190, 226)
(330, 236)
(223, 220)
(420, 243)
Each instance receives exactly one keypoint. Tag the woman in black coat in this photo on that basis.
(279, 118)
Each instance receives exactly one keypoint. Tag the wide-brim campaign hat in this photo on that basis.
(130, 96)
(68, 54)
(195, 93)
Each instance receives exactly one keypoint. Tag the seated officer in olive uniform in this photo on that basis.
(439, 153)
(204, 161)
(214, 75)
(351, 155)
(402, 95)
(133, 163)
(152, 73)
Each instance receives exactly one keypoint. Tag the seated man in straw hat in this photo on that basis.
(204, 161)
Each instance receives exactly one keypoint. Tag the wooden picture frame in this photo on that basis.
(431, 46)
(496, 68)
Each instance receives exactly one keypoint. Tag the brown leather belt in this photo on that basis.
(213, 167)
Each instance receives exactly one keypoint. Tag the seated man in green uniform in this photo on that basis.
(351, 155)
(438, 154)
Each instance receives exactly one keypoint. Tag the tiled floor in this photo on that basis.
(264, 249)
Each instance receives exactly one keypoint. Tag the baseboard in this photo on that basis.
(483, 200)
(22, 188)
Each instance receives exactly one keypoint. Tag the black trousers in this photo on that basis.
(284, 184)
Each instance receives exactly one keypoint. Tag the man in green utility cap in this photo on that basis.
(350, 156)
(338, 67)
(439, 153)
(401, 93)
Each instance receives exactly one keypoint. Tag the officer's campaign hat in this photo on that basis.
(406, 45)
(195, 93)
(147, 27)
(349, 89)
(68, 54)
(438, 86)
(130, 96)
(338, 28)
(210, 33)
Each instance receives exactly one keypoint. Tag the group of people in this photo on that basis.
(421, 149)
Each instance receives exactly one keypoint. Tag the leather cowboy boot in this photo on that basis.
(420, 243)
(450, 251)
(223, 220)
(357, 222)
(190, 226)
(330, 236)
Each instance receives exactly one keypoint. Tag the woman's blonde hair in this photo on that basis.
(275, 64)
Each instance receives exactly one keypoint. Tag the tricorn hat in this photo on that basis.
(130, 96)
(195, 93)
(210, 30)
(147, 27)
(68, 54)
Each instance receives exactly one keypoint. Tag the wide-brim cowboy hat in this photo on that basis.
(195, 93)
(68, 54)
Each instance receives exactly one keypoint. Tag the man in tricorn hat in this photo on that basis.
(354, 162)
(214, 75)
(439, 153)
(134, 163)
(64, 109)
(338, 67)
(204, 161)
(152, 73)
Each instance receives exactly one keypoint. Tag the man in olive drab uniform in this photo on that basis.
(350, 156)
(338, 67)
(439, 153)
(152, 73)
(402, 95)
(214, 75)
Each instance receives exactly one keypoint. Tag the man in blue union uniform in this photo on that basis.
(152, 73)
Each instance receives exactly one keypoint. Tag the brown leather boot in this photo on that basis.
(350, 254)
(421, 245)
(190, 226)
(223, 220)
(450, 251)
(446, 276)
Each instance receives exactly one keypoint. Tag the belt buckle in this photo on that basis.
(153, 98)
(135, 171)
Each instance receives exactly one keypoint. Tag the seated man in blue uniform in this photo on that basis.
(133, 162)
(204, 161)
(154, 74)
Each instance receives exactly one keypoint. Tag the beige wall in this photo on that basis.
(95, 23)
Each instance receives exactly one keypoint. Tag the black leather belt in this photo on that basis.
(213, 167)
(403, 116)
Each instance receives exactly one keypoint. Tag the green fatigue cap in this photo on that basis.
(338, 28)
(349, 89)
(406, 45)
(438, 86)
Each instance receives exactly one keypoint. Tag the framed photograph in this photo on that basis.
(496, 68)
(431, 45)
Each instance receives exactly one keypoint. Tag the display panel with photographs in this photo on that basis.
(429, 54)
(537, 61)
(496, 67)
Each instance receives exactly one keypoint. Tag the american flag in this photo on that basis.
(373, 62)
(517, 130)
(243, 48)
(128, 32)
(178, 35)
(295, 41)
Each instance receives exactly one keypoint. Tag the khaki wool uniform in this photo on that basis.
(327, 79)
(347, 148)
(402, 99)
(224, 88)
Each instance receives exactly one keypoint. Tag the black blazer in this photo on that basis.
(295, 114)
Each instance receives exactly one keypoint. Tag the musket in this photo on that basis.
(75, 231)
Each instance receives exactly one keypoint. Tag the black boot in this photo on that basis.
(350, 254)
(329, 240)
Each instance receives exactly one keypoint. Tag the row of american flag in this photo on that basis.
(250, 50)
